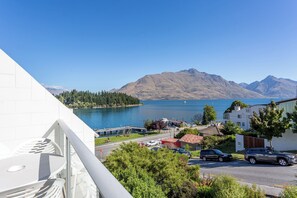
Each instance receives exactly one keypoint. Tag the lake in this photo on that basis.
(155, 109)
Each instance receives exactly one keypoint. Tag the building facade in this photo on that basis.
(242, 116)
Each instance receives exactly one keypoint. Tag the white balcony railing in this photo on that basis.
(84, 174)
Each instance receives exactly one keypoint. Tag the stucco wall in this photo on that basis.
(286, 143)
(28, 110)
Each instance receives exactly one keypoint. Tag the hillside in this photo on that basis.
(185, 84)
(274, 87)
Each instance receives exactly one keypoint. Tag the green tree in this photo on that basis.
(270, 122)
(230, 128)
(148, 124)
(156, 170)
(86, 99)
(209, 114)
(293, 117)
(234, 104)
(187, 131)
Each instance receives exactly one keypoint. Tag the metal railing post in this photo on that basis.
(68, 169)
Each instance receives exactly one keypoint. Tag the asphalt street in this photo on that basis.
(104, 150)
(262, 174)
(270, 176)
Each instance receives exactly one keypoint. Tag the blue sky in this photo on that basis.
(100, 45)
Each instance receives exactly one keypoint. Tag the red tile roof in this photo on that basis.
(192, 139)
(170, 140)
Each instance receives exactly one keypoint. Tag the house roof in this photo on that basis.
(288, 100)
(212, 130)
(170, 140)
(192, 139)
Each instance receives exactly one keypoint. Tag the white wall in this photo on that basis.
(245, 115)
(239, 143)
(286, 143)
(28, 110)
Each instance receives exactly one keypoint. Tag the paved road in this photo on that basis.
(107, 148)
(268, 175)
(262, 174)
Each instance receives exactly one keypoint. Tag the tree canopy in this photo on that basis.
(270, 122)
(293, 117)
(86, 99)
(234, 104)
(146, 173)
(209, 114)
(187, 131)
(230, 128)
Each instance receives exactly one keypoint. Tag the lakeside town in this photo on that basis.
(230, 141)
(148, 99)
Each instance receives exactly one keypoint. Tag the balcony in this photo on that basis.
(64, 166)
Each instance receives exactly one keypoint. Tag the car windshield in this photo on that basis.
(218, 151)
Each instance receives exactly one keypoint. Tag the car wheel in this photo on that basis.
(204, 158)
(282, 162)
(252, 160)
(221, 159)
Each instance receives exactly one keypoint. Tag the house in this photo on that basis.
(242, 116)
(287, 142)
(210, 131)
(194, 141)
(171, 143)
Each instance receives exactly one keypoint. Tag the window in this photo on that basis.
(243, 124)
(238, 116)
(238, 123)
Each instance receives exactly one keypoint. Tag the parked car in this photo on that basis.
(152, 143)
(254, 155)
(215, 154)
(182, 151)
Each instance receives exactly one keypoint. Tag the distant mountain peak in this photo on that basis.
(272, 86)
(185, 84)
(191, 71)
(269, 77)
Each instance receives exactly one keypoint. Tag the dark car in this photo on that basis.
(215, 154)
(254, 155)
(182, 151)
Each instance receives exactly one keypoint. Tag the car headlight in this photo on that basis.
(292, 156)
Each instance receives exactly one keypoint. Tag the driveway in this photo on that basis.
(261, 174)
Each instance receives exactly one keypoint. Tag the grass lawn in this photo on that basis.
(104, 140)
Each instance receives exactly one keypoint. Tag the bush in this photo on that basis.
(145, 173)
(289, 192)
(187, 131)
(226, 187)
(225, 143)
(253, 192)
(204, 192)
(231, 128)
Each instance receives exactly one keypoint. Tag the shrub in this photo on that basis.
(289, 192)
(226, 187)
(253, 192)
(187, 131)
(204, 192)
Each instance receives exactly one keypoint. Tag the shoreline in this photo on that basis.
(110, 107)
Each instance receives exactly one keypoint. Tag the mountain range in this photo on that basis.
(192, 84)
(273, 87)
(55, 90)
